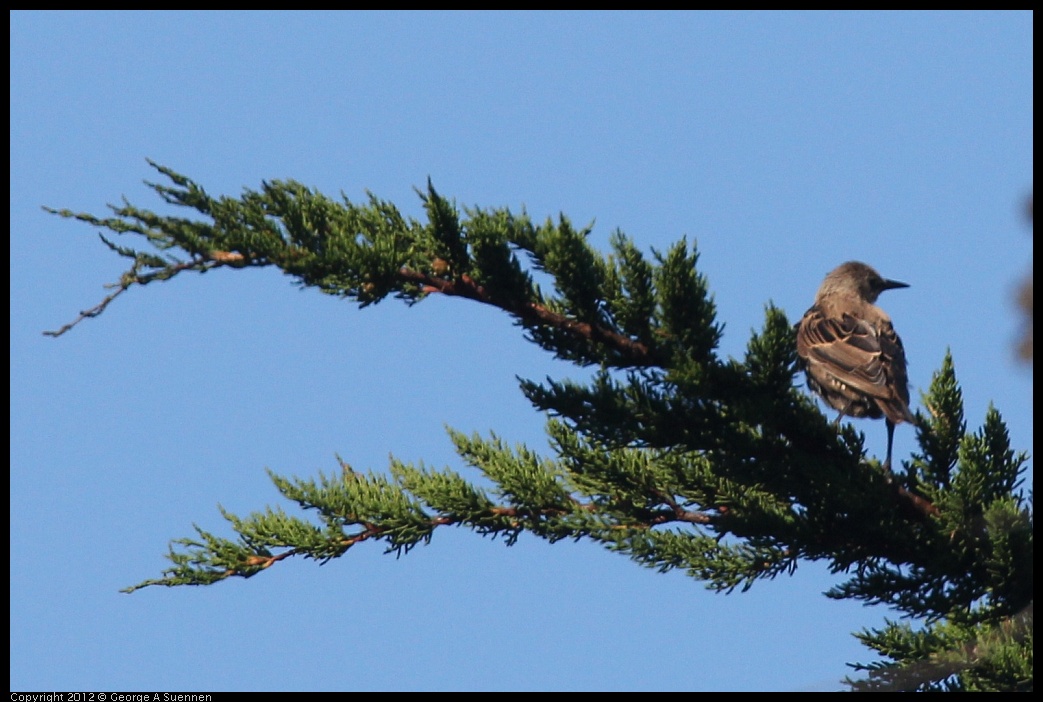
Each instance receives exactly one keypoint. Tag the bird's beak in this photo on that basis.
(892, 284)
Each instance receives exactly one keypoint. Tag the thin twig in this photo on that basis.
(92, 312)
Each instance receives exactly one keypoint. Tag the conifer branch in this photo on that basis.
(668, 454)
(533, 313)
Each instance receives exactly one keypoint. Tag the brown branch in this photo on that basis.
(230, 258)
(677, 513)
(213, 260)
(262, 562)
(92, 312)
(913, 506)
(638, 353)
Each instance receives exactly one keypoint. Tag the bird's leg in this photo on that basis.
(890, 440)
(840, 415)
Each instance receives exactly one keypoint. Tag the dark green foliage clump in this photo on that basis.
(670, 453)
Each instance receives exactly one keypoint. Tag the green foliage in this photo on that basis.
(669, 454)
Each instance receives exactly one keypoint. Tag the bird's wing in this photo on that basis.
(893, 359)
(850, 350)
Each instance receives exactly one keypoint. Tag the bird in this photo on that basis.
(849, 350)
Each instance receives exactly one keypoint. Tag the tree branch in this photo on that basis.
(531, 313)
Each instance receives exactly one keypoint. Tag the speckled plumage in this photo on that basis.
(853, 358)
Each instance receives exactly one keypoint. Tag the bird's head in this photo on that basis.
(857, 278)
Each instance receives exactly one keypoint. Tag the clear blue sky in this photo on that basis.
(783, 144)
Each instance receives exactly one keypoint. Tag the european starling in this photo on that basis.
(853, 358)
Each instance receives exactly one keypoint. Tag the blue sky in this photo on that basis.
(782, 144)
